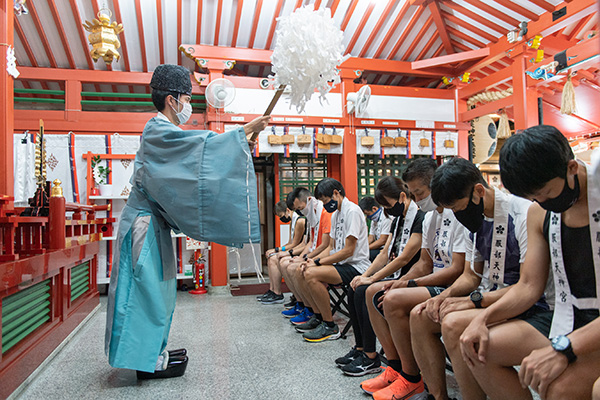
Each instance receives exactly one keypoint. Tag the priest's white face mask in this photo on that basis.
(186, 112)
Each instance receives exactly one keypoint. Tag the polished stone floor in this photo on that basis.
(239, 349)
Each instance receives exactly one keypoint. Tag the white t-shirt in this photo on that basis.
(516, 240)
(381, 226)
(442, 236)
(350, 221)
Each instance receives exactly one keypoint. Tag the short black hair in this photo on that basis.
(455, 180)
(326, 187)
(300, 193)
(390, 186)
(528, 160)
(280, 208)
(367, 203)
(159, 97)
(422, 169)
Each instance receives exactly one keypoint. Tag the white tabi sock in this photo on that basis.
(162, 362)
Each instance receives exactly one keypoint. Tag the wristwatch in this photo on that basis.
(476, 297)
(317, 261)
(562, 344)
(291, 251)
(411, 283)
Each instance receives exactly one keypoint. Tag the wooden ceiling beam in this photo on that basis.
(543, 4)
(460, 22)
(494, 12)
(513, 6)
(360, 27)
(161, 42)
(140, 24)
(218, 21)
(434, 8)
(61, 32)
(466, 38)
(119, 19)
(451, 58)
(462, 47)
(405, 33)
(334, 7)
(274, 24)
(25, 44)
(428, 46)
(545, 26)
(236, 27)
(390, 32)
(475, 17)
(377, 28)
(40, 30)
(255, 21)
(580, 25)
(417, 40)
(348, 15)
(85, 75)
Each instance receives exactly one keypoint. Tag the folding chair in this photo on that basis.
(338, 296)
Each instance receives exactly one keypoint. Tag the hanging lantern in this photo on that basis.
(103, 37)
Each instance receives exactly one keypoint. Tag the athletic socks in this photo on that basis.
(411, 378)
(330, 324)
(319, 317)
(396, 365)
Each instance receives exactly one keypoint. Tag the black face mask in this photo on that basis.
(299, 213)
(397, 210)
(331, 206)
(285, 219)
(564, 200)
(472, 216)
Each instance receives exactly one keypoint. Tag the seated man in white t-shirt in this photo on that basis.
(346, 256)
(380, 225)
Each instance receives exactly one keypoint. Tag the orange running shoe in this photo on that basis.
(381, 381)
(401, 389)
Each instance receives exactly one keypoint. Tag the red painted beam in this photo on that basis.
(392, 29)
(360, 27)
(451, 58)
(577, 30)
(140, 25)
(466, 25)
(513, 6)
(199, 24)
(427, 46)
(417, 40)
(274, 24)
(494, 12)
(466, 38)
(257, 9)
(161, 43)
(119, 19)
(84, 75)
(543, 4)
(377, 28)
(504, 75)
(474, 16)
(334, 6)
(405, 33)
(217, 21)
(82, 37)
(179, 28)
(7, 128)
(434, 8)
(236, 26)
(348, 14)
(62, 34)
(40, 30)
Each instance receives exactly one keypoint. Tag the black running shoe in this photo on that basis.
(272, 298)
(348, 358)
(363, 365)
(312, 323)
(291, 303)
(259, 298)
(321, 333)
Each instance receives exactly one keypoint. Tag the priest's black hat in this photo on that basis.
(172, 78)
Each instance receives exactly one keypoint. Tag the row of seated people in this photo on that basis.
(493, 280)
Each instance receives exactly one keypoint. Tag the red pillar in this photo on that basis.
(348, 165)
(6, 100)
(463, 135)
(525, 100)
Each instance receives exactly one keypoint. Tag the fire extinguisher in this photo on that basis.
(199, 276)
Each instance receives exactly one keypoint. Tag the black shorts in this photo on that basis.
(539, 318)
(435, 290)
(347, 272)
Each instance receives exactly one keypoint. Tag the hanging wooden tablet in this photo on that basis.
(274, 139)
(400, 141)
(387, 141)
(424, 142)
(367, 140)
(287, 139)
(335, 138)
(303, 139)
(449, 144)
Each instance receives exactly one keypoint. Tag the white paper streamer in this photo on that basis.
(307, 51)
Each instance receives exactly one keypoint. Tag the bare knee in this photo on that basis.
(452, 327)
(394, 304)
(596, 391)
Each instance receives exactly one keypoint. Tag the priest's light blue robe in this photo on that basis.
(197, 182)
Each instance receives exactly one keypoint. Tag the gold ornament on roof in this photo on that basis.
(103, 37)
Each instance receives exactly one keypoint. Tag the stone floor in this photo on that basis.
(238, 348)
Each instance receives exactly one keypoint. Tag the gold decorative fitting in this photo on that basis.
(56, 190)
(103, 37)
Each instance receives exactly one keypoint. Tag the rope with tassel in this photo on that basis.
(568, 105)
